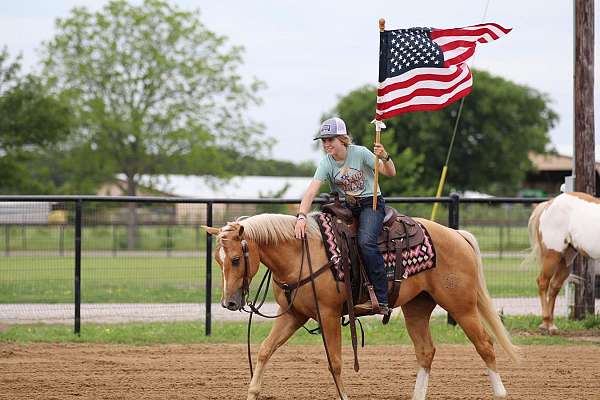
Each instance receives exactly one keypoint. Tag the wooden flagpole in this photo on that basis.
(377, 140)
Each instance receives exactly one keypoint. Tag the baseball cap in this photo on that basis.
(332, 127)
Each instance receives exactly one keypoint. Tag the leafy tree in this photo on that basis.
(31, 121)
(501, 122)
(153, 88)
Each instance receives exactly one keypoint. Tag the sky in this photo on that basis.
(310, 53)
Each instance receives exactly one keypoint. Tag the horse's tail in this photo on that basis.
(534, 256)
(486, 307)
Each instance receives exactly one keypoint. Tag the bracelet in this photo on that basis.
(300, 216)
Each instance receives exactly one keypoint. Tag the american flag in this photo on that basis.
(426, 69)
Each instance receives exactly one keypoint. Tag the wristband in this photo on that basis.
(387, 157)
(300, 216)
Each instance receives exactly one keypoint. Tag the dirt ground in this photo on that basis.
(82, 371)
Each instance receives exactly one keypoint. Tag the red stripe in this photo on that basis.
(423, 107)
(463, 32)
(421, 92)
(465, 55)
(504, 30)
(417, 78)
(458, 43)
(438, 33)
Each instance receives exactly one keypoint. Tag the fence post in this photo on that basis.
(61, 240)
(453, 222)
(114, 240)
(208, 291)
(7, 240)
(77, 289)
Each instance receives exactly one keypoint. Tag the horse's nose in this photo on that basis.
(232, 305)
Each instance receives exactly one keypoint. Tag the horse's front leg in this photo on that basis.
(333, 336)
(283, 328)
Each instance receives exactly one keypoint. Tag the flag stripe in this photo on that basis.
(432, 89)
(414, 76)
(423, 105)
(462, 57)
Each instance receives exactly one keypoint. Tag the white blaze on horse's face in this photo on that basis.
(231, 259)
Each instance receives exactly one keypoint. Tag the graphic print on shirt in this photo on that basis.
(351, 181)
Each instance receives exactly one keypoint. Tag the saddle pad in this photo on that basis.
(415, 259)
(331, 246)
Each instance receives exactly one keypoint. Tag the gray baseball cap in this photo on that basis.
(332, 127)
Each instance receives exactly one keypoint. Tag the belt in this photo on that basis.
(355, 200)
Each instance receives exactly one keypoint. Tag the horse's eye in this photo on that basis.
(235, 260)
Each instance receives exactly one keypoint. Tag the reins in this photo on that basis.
(266, 277)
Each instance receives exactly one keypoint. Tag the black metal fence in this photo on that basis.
(114, 259)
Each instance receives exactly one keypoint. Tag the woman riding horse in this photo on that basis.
(349, 170)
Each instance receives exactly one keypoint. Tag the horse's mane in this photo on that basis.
(272, 229)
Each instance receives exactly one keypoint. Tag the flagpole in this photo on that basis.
(377, 140)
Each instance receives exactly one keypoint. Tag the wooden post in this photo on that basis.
(585, 174)
(377, 140)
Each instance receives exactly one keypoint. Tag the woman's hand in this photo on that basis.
(380, 152)
(300, 228)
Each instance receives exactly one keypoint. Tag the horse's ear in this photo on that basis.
(210, 229)
(241, 231)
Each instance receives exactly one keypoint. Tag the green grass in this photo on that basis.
(101, 238)
(162, 279)
(523, 330)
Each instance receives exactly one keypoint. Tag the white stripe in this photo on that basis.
(449, 39)
(427, 84)
(491, 27)
(429, 99)
(450, 54)
(416, 72)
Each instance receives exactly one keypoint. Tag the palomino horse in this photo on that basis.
(559, 229)
(457, 284)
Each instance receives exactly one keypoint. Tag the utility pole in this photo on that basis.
(584, 169)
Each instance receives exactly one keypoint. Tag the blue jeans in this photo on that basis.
(369, 226)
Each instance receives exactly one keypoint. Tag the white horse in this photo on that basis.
(559, 229)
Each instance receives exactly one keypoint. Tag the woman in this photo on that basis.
(349, 170)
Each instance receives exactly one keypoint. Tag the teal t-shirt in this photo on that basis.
(354, 176)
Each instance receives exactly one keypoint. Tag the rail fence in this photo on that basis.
(68, 259)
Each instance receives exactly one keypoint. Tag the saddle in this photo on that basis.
(399, 233)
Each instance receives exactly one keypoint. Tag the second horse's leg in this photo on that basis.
(556, 283)
(283, 328)
(550, 262)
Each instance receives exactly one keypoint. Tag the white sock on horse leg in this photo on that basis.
(497, 385)
(421, 384)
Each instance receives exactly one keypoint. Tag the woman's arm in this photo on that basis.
(386, 164)
(307, 199)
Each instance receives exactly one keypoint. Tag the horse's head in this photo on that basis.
(239, 261)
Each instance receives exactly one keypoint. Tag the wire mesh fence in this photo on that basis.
(146, 259)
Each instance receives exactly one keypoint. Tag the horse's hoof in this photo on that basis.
(544, 330)
(553, 330)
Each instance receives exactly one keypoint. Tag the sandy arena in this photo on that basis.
(82, 371)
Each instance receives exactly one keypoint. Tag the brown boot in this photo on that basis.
(366, 308)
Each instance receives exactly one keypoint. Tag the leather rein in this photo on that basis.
(290, 298)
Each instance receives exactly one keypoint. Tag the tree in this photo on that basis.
(31, 121)
(501, 122)
(153, 88)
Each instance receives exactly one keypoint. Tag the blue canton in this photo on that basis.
(408, 49)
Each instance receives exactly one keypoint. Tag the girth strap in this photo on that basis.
(289, 288)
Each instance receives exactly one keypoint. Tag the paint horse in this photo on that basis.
(559, 229)
(456, 283)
